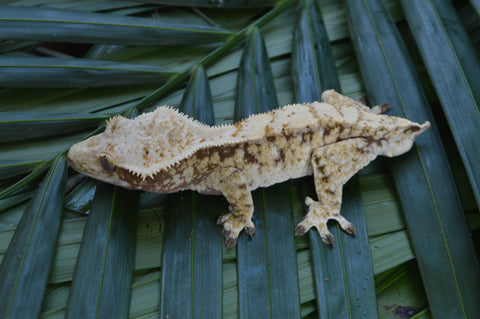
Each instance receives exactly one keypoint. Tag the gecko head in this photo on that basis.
(102, 156)
(400, 139)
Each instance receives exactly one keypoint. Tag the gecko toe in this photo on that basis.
(351, 229)
(230, 239)
(327, 238)
(221, 220)
(250, 231)
(300, 230)
(382, 108)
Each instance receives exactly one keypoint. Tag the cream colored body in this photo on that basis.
(165, 151)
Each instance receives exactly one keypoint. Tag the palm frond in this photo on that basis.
(414, 221)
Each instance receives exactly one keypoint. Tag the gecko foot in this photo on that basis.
(377, 109)
(318, 216)
(233, 223)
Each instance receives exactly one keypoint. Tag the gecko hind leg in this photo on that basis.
(232, 184)
(238, 219)
(333, 165)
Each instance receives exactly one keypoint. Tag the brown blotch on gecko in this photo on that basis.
(165, 151)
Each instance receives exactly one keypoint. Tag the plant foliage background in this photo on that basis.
(71, 246)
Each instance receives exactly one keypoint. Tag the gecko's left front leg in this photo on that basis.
(232, 184)
(333, 165)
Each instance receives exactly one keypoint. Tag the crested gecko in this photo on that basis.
(165, 151)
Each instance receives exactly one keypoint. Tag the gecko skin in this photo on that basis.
(165, 151)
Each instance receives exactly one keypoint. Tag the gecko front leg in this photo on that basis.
(232, 184)
(333, 165)
(341, 101)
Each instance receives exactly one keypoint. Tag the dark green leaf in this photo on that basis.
(45, 24)
(454, 68)
(433, 210)
(267, 268)
(218, 3)
(14, 200)
(16, 126)
(192, 256)
(12, 189)
(80, 5)
(402, 294)
(102, 280)
(466, 56)
(152, 200)
(9, 46)
(197, 100)
(62, 72)
(255, 88)
(347, 264)
(18, 167)
(476, 6)
(25, 268)
(22, 157)
(313, 67)
(80, 199)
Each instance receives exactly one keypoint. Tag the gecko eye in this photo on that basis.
(107, 163)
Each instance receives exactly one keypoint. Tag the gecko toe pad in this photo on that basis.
(233, 223)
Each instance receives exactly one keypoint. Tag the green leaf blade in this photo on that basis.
(255, 91)
(313, 67)
(45, 24)
(17, 126)
(26, 265)
(102, 279)
(66, 72)
(240, 4)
